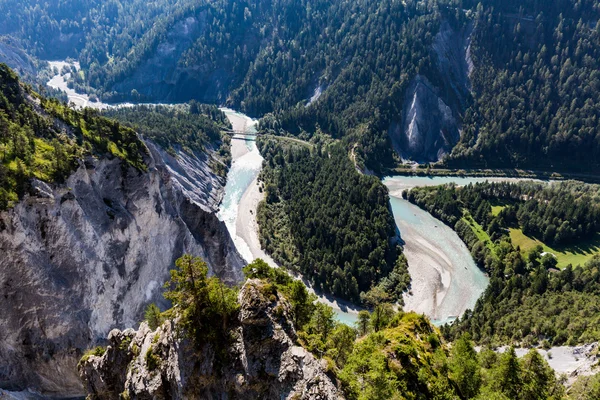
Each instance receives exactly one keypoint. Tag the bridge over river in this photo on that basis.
(241, 135)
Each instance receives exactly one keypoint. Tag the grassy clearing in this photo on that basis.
(498, 205)
(496, 210)
(478, 230)
(575, 254)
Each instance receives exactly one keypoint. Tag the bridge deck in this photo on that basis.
(242, 133)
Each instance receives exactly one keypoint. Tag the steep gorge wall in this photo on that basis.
(87, 256)
(432, 109)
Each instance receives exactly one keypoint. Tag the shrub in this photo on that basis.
(152, 360)
(153, 316)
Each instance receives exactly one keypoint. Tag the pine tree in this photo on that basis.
(153, 316)
(464, 367)
(508, 374)
(201, 301)
(538, 378)
(363, 322)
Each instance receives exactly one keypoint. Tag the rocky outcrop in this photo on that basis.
(432, 108)
(82, 258)
(262, 360)
(428, 129)
(17, 59)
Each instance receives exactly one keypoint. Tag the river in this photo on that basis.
(242, 195)
(445, 280)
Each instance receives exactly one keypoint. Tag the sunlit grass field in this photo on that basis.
(574, 254)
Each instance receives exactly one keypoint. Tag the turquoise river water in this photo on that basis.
(445, 279)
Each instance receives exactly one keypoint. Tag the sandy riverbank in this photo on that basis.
(397, 184)
(58, 81)
(239, 122)
(238, 149)
(431, 274)
(247, 225)
(444, 278)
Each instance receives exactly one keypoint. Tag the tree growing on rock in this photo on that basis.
(153, 316)
(205, 304)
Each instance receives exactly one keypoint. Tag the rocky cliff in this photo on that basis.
(17, 59)
(432, 108)
(87, 256)
(261, 361)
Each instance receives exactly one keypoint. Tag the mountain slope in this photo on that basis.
(509, 84)
(536, 85)
(84, 251)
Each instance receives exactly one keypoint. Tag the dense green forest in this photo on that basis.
(536, 85)
(42, 138)
(361, 55)
(93, 29)
(192, 127)
(527, 304)
(258, 56)
(324, 219)
(528, 300)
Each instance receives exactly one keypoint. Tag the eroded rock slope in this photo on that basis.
(82, 258)
(432, 110)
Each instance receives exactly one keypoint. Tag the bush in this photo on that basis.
(153, 316)
(152, 360)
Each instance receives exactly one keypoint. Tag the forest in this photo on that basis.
(530, 299)
(322, 218)
(342, 68)
(262, 57)
(560, 213)
(536, 86)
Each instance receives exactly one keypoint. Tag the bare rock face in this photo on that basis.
(17, 59)
(429, 129)
(432, 109)
(80, 259)
(262, 360)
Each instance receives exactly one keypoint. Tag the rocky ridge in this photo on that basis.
(262, 360)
